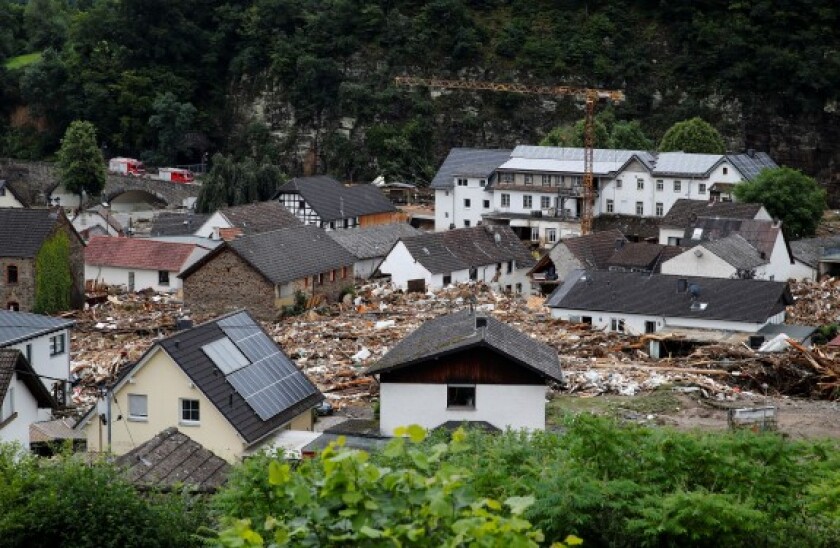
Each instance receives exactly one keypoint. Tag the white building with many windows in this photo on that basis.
(538, 191)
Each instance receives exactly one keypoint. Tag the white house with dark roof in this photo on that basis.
(324, 202)
(685, 212)
(491, 254)
(9, 197)
(225, 383)
(229, 223)
(646, 303)
(370, 245)
(45, 343)
(465, 367)
(23, 398)
(729, 257)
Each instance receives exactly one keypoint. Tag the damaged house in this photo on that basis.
(492, 254)
(263, 272)
(465, 367)
(370, 245)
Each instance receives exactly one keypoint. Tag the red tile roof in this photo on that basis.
(137, 253)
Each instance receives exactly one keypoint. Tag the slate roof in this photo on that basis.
(139, 253)
(633, 227)
(464, 248)
(750, 164)
(736, 251)
(595, 250)
(811, 250)
(171, 459)
(12, 361)
(54, 430)
(285, 255)
(684, 211)
(456, 332)
(185, 349)
(656, 295)
(168, 223)
(637, 255)
(260, 217)
(333, 201)
(373, 241)
(20, 326)
(760, 234)
(23, 231)
(468, 162)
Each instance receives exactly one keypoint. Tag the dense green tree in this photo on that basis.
(80, 162)
(172, 119)
(789, 195)
(53, 279)
(694, 135)
(46, 23)
(232, 183)
(629, 136)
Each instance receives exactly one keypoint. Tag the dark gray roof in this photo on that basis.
(595, 250)
(468, 162)
(759, 233)
(632, 226)
(167, 223)
(455, 332)
(796, 332)
(810, 250)
(736, 251)
(656, 295)
(23, 231)
(684, 211)
(20, 326)
(750, 164)
(332, 201)
(463, 248)
(185, 349)
(642, 255)
(373, 241)
(260, 217)
(12, 361)
(171, 459)
(285, 255)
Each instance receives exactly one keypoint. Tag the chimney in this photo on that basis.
(480, 321)
(619, 243)
(751, 152)
(682, 285)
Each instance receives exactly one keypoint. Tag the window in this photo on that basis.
(529, 179)
(346, 223)
(344, 272)
(507, 177)
(551, 234)
(610, 206)
(466, 223)
(57, 345)
(660, 184)
(8, 404)
(138, 407)
(618, 183)
(617, 325)
(482, 182)
(486, 204)
(640, 208)
(3, 191)
(660, 209)
(446, 193)
(677, 186)
(29, 353)
(320, 278)
(467, 203)
(509, 267)
(640, 184)
(190, 412)
(725, 170)
(447, 279)
(301, 204)
(701, 188)
(505, 200)
(545, 202)
(332, 275)
(460, 396)
(11, 274)
(14, 306)
(546, 180)
(446, 215)
(332, 225)
(163, 277)
(462, 182)
(527, 202)
(535, 234)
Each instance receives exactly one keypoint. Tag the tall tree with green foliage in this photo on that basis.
(789, 195)
(694, 135)
(231, 183)
(629, 136)
(53, 279)
(80, 162)
(172, 119)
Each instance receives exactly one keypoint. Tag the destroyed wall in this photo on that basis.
(226, 283)
(77, 261)
(328, 291)
(564, 261)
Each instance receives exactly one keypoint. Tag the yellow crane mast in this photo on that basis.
(591, 97)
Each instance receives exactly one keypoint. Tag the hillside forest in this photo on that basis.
(309, 84)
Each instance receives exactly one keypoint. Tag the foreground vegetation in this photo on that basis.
(600, 481)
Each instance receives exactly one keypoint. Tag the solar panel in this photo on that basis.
(225, 355)
(270, 383)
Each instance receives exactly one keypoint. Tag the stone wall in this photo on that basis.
(77, 261)
(22, 292)
(226, 283)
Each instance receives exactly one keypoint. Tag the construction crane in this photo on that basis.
(590, 96)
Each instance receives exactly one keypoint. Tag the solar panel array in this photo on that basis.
(225, 355)
(270, 383)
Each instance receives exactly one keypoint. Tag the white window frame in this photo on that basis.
(701, 188)
(677, 186)
(463, 182)
(181, 412)
(617, 325)
(610, 206)
(486, 204)
(461, 407)
(545, 202)
(58, 344)
(505, 200)
(660, 185)
(144, 417)
(163, 277)
(640, 184)
(618, 183)
(640, 208)
(527, 201)
(660, 209)
(546, 180)
(467, 203)
(529, 179)
(467, 223)
(550, 235)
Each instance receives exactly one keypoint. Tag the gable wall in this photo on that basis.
(474, 366)
(26, 407)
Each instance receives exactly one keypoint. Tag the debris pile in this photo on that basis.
(817, 303)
